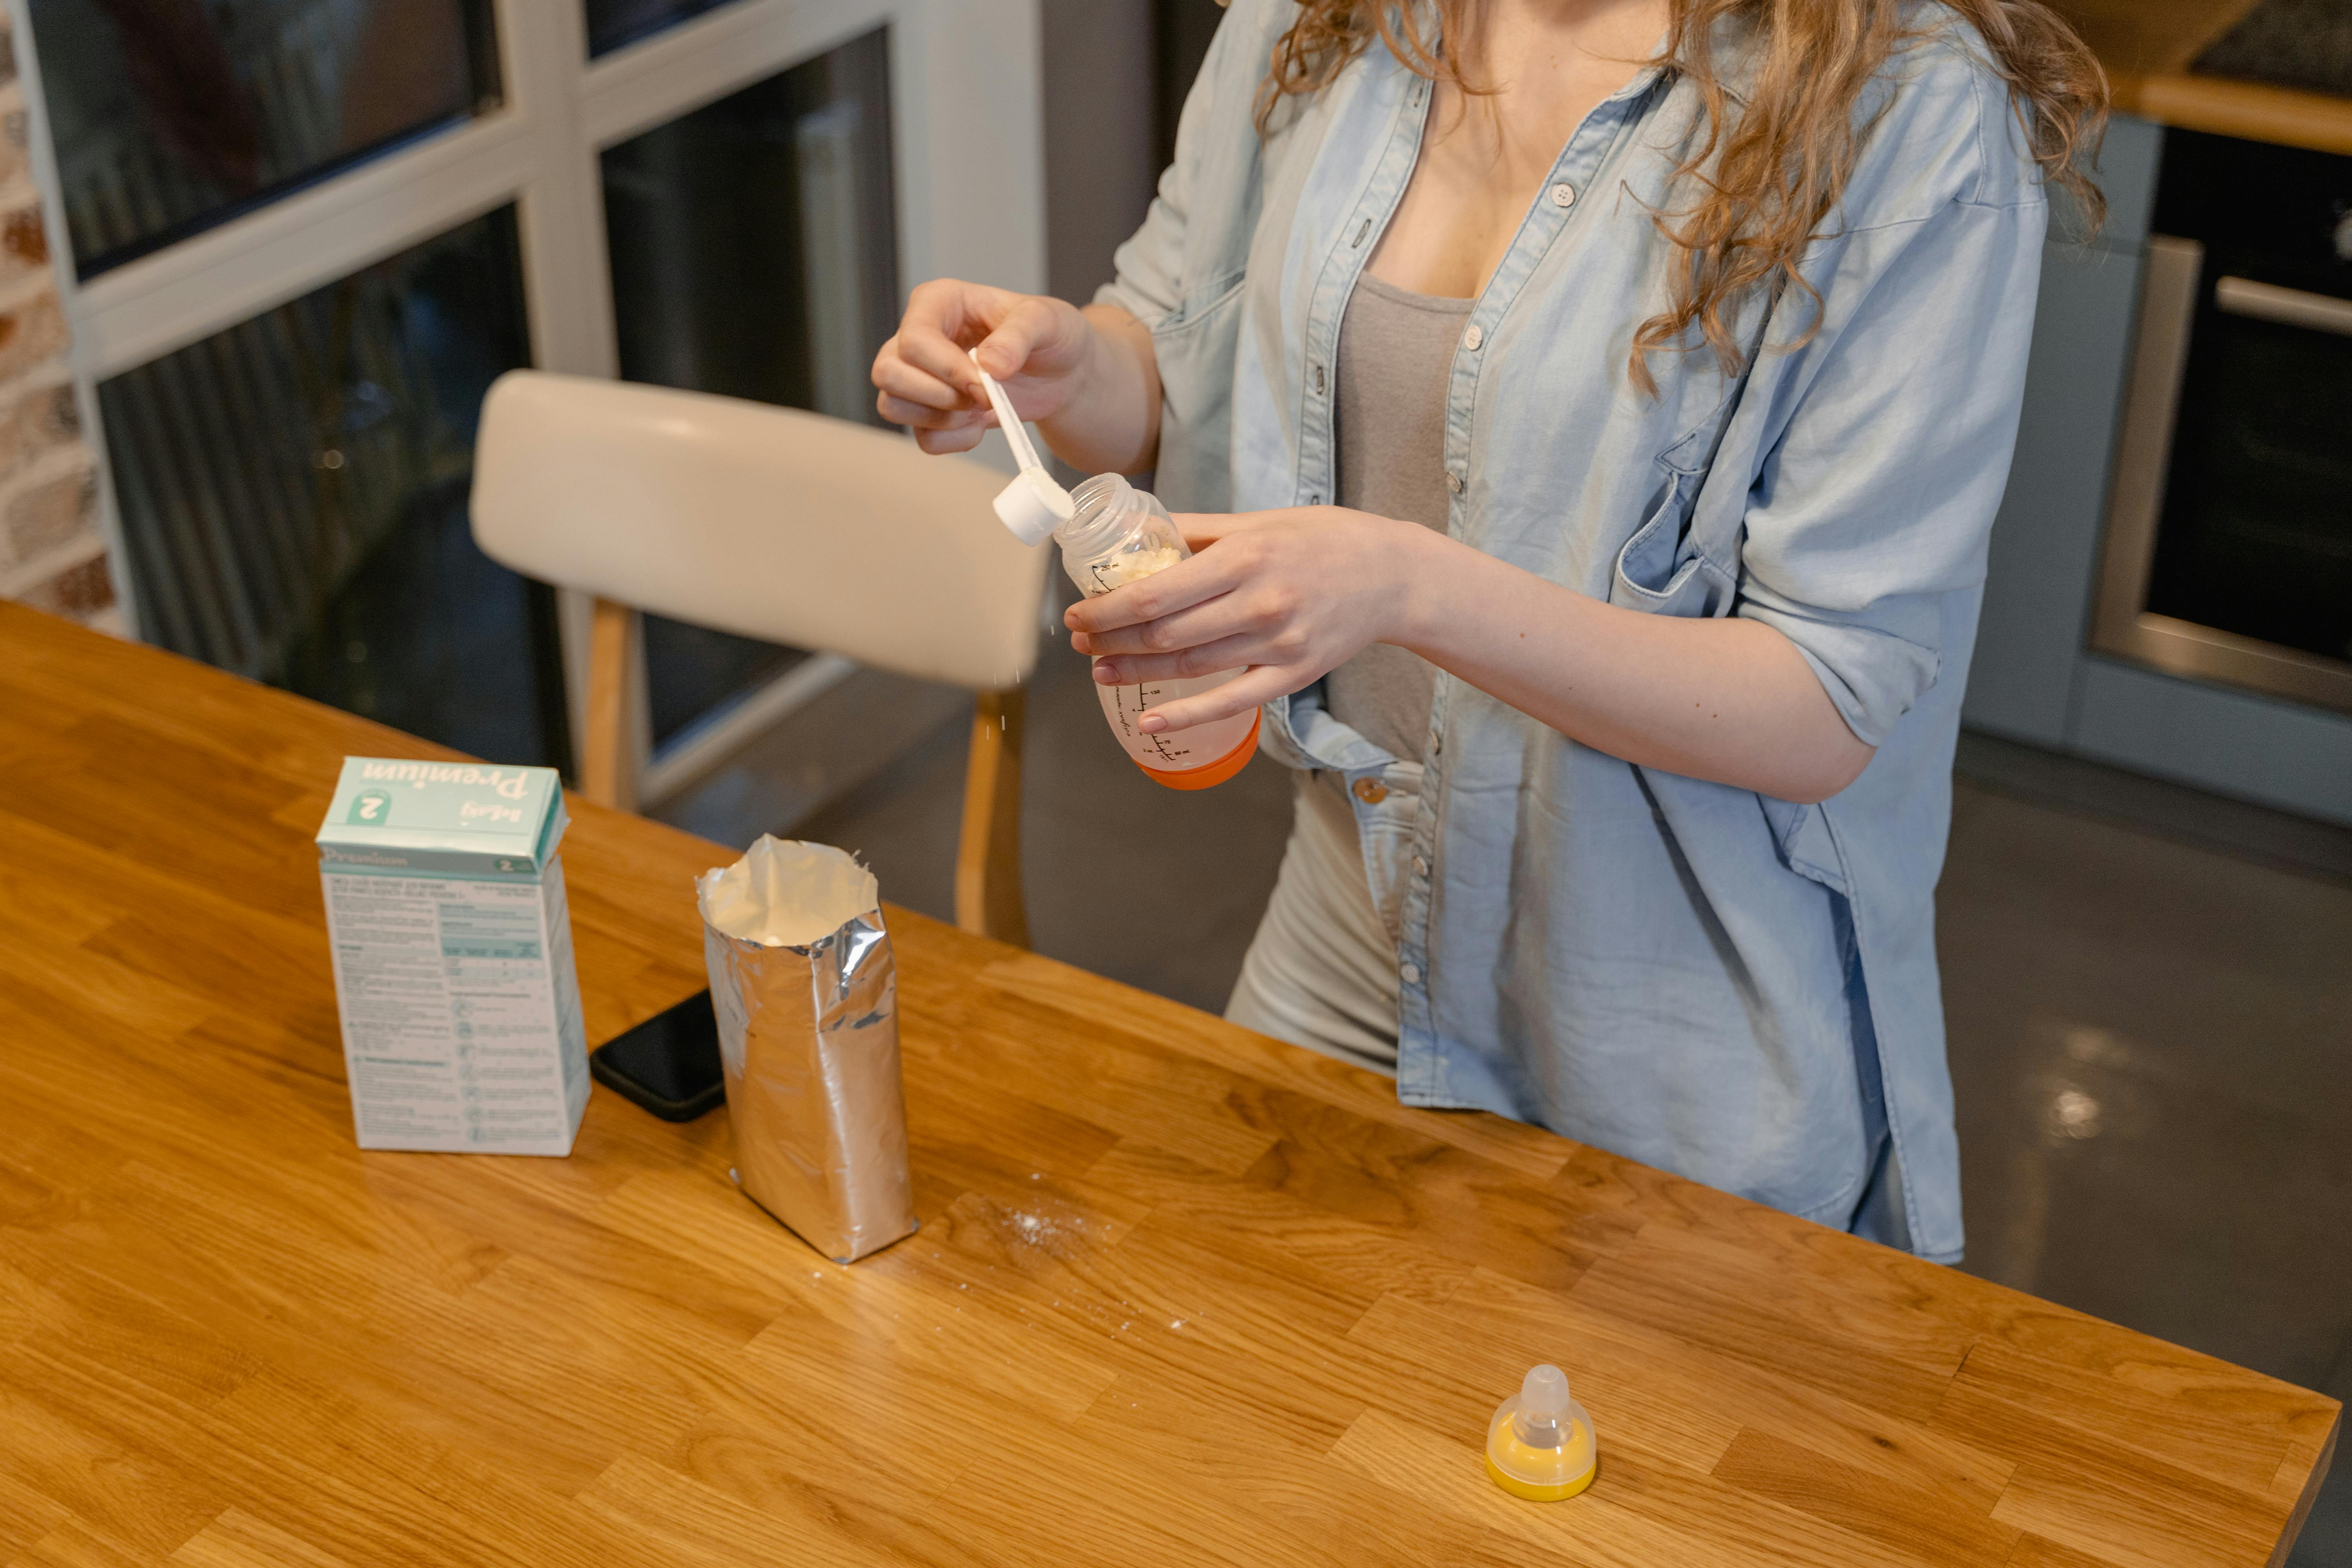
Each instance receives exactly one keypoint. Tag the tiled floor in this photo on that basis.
(2151, 1046)
(2151, 1014)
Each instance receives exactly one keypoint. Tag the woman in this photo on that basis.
(1607, 435)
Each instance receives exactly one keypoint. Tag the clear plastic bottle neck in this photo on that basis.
(1104, 507)
(1116, 535)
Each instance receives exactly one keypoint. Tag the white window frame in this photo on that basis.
(968, 139)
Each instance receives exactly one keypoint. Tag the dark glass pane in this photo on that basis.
(753, 253)
(692, 670)
(612, 23)
(751, 240)
(2256, 536)
(293, 500)
(1181, 31)
(169, 116)
(2256, 533)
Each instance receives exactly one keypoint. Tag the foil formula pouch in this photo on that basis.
(807, 992)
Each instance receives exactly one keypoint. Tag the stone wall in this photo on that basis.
(52, 554)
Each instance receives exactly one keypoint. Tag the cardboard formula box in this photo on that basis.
(453, 957)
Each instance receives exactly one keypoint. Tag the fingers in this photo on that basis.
(1181, 587)
(1239, 695)
(1203, 658)
(1028, 322)
(1220, 616)
(940, 443)
(1202, 528)
(923, 397)
(1230, 639)
(919, 417)
(926, 379)
(924, 363)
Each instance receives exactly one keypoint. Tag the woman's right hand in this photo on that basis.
(1037, 349)
(1088, 377)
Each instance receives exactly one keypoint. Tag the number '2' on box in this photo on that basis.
(453, 956)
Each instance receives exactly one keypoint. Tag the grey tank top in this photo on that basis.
(1396, 349)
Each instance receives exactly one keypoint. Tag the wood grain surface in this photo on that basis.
(1182, 1295)
(2249, 110)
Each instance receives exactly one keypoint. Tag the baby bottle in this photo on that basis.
(1540, 1443)
(1112, 535)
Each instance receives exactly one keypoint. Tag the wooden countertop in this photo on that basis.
(1182, 1295)
(2148, 46)
(2140, 37)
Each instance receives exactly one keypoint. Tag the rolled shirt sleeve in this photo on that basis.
(1879, 497)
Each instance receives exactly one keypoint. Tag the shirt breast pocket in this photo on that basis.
(1199, 308)
(1195, 347)
(1660, 570)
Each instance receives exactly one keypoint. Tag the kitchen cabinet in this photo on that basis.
(2035, 679)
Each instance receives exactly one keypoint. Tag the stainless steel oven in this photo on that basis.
(2228, 549)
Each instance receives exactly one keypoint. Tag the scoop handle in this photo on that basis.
(1015, 431)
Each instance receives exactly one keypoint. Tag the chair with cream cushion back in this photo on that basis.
(772, 523)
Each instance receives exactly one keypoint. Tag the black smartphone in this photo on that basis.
(668, 1063)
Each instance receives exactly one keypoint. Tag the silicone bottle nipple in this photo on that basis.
(1540, 1444)
(1033, 505)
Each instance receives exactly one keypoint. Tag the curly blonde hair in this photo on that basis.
(1768, 178)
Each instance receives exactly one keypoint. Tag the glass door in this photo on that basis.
(292, 497)
(784, 299)
(2228, 554)
(304, 235)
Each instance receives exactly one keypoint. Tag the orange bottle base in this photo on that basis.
(1216, 772)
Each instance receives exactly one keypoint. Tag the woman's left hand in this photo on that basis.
(1289, 593)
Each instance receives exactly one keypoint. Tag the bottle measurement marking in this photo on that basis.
(1111, 535)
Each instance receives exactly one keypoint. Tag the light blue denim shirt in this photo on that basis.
(1690, 974)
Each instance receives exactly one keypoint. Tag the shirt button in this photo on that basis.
(1362, 229)
(1318, 379)
(1409, 973)
(1420, 866)
(1453, 481)
(1473, 338)
(1563, 195)
(1371, 791)
(1437, 744)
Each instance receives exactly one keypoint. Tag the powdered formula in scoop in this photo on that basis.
(805, 989)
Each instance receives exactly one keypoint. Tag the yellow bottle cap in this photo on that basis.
(1540, 1444)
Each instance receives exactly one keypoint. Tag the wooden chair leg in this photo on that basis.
(988, 858)
(608, 773)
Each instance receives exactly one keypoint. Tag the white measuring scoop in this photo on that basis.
(1032, 505)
